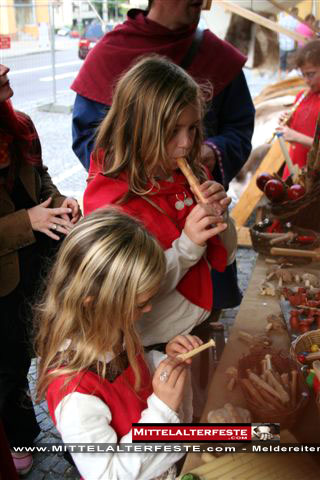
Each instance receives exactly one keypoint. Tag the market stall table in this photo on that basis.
(252, 318)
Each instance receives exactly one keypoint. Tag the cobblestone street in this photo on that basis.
(70, 177)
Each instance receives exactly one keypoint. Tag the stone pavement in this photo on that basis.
(55, 134)
(30, 46)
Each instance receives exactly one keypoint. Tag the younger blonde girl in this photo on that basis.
(92, 369)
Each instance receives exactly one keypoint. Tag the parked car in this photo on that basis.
(64, 31)
(91, 36)
(74, 34)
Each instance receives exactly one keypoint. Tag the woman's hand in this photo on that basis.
(208, 157)
(48, 220)
(169, 381)
(215, 195)
(183, 344)
(202, 223)
(72, 203)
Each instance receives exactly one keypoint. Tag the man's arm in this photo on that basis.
(229, 127)
(87, 115)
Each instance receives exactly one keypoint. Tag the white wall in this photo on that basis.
(217, 20)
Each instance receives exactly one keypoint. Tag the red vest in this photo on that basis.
(124, 403)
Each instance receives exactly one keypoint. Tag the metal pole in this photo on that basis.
(105, 13)
(96, 12)
(53, 52)
(79, 17)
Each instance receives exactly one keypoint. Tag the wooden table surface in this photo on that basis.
(251, 318)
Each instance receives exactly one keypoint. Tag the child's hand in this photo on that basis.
(169, 381)
(215, 195)
(183, 344)
(289, 135)
(283, 117)
(202, 223)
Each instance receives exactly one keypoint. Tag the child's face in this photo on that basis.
(184, 134)
(182, 12)
(311, 74)
(144, 304)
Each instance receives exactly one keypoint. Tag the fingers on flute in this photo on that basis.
(183, 344)
(200, 211)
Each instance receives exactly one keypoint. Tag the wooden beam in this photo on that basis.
(251, 196)
(244, 238)
(207, 5)
(254, 17)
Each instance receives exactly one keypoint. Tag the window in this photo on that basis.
(24, 12)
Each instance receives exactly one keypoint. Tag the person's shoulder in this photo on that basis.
(82, 382)
(221, 47)
(22, 116)
(299, 94)
(27, 124)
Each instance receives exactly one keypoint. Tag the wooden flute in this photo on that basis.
(291, 112)
(195, 351)
(194, 183)
(191, 178)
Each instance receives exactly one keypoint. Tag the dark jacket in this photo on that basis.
(15, 227)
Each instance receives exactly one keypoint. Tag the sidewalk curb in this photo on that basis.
(55, 108)
(33, 52)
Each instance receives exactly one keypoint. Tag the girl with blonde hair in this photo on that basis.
(155, 118)
(92, 369)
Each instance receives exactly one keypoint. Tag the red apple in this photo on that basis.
(274, 190)
(295, 191)
(262, 179)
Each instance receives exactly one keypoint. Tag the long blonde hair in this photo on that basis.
(147, 103)
(90, 302)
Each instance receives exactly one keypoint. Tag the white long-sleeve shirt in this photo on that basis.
(172, 314)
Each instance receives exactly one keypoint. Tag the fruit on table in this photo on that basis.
(274, 190)
(313, 382)
(305, 239)
(314, 348)
(301, 358)
(310, 378)
(275, 227)
(295, 191)
(262, 179)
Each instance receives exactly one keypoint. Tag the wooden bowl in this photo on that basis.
(261, 240)
(301, 212)
(283, 364)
